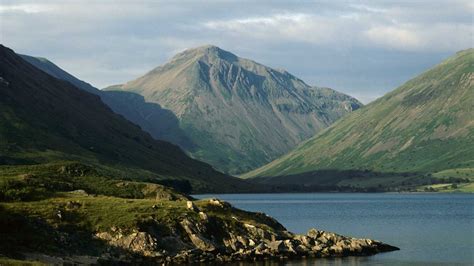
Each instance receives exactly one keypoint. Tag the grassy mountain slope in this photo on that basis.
(424, 126)
(239, 114)
(43, 119)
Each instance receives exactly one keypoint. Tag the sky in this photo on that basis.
(362, 48)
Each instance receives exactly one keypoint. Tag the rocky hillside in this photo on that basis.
(425, 128)
(44, 119)
(73, 214)
(237, 113)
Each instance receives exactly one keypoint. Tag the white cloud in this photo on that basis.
(294, 27)
(331, 43)
(363, 26)
(26, 8)
(394, 37)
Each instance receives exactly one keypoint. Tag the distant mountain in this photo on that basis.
(237, 113)
(149, 116)
(44, 119)
(421, 129)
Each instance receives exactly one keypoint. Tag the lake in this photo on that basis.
(430, 229)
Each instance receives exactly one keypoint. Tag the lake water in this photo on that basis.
(430, 229)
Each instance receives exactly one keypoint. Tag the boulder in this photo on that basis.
(305, 240)
(277, 246)
(203, 216)
(137, 242)
(301, 249)
(313, 233)
(196, 237)
(219, 203)
(191, 206)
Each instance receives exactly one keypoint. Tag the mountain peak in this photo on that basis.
(238, 113)
(209, 51)
(206, 49)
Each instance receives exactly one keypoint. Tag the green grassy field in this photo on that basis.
(57, 208)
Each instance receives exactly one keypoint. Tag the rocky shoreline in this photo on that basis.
(206, 237)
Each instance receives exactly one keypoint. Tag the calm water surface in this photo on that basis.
(430, 229)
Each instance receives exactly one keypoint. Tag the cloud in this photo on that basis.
(25, 8)
(363, 26)
(360, 47)
(394, 37)
(292, 27)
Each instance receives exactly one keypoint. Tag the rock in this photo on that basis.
(196, 237)
(59, 214)
(79, 192)
(259, 233)
(219, 203)
(355, 247)
(138, 242)
(322, 240)
(305, 240)
(243, 240)
(336, 250)
(301, 249)
(204, 237)
(235, 245)
(203, 216)
(164, 195)
(73, 205)
(251, 243)
(260, 247)
(276, 245)
(290, 247)
(382, 247)
(313, 233)
(190, 205)
(316, 248)
(201, 242)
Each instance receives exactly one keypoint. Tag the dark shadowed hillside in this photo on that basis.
(43, 119)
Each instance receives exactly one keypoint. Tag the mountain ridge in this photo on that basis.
(130, 105)
(423, 127)
(45, 119)
(239, 113)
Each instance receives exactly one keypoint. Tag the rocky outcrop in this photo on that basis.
(215, 231)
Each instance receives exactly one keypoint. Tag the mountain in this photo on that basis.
(44, 119)
(237, 113)
(425, 128)
(55, 71)
(151, 117)
(80, 184)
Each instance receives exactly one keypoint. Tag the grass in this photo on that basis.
(424, 126)
(98, 213)
(41, 204)
(456, 172)
(13, 262)
(57, 208)
(449, 188)
(451, 180)
(33, 182)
